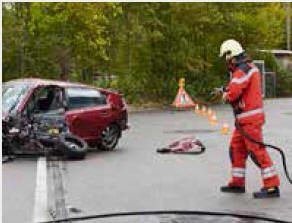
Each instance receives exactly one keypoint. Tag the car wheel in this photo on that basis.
(75, 148)
(110, 137)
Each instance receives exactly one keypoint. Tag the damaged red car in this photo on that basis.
(96, 115)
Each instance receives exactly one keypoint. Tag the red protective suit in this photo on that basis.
(244, 93)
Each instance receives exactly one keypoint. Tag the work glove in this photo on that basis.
(218, 92)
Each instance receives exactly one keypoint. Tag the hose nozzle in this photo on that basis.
(217, 92)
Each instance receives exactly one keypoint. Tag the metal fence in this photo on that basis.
(268, 80)
(271, 81)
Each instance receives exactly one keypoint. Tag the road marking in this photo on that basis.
(56, 190)
(40, 203)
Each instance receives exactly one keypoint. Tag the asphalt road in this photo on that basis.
(18, 190)
(135, 178)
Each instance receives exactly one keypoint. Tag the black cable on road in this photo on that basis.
(168, 212)
(248, 137)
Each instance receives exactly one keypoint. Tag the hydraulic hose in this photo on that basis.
(219, 91)
(244, 134)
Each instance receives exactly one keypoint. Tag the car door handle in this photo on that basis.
(104, 112)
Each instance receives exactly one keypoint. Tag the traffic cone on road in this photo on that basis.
(213, 120)
(225, 128)
(210, 113)
(197, 109)
(204, 111)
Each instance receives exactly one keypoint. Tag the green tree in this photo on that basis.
(148, 46)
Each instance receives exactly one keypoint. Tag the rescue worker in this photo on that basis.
(245, 95)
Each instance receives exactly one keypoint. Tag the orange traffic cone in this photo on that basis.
(204, 111)
(225, 128)
(197, 109)
(210, 113)
(213, 120)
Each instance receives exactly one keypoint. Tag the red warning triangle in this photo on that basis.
(183, 100)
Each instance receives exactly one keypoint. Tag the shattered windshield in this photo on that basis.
(12, 97)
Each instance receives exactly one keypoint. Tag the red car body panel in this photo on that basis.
(89, 122)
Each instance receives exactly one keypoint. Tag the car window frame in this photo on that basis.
(87, 107)
(33, 95)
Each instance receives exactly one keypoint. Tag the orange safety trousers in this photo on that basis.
(241, 147)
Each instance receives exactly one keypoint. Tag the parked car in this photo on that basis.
(96, 115)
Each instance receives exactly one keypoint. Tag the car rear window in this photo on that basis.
(84, 97)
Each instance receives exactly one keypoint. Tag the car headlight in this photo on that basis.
(53, 131)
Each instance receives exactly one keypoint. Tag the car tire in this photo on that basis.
(110, 137)
(74, 147)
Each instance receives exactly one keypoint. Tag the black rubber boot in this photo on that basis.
(233, 189)
(267, 192)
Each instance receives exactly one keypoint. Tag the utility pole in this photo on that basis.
(288, 25)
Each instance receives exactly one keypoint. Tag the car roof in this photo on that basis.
(40, 82)
(34, 82)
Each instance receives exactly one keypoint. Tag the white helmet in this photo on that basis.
(230, 48)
